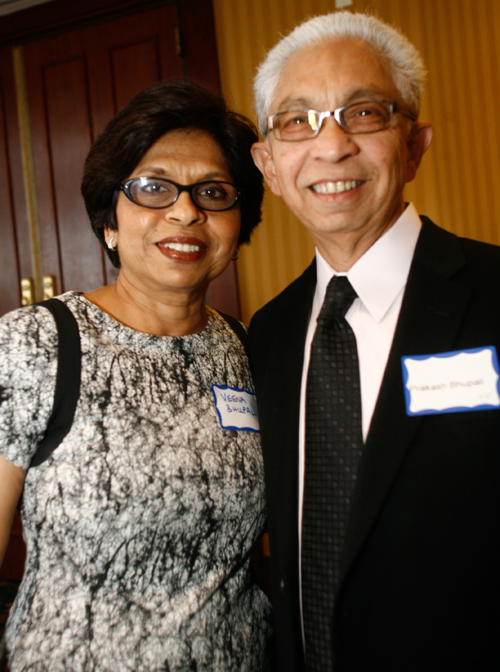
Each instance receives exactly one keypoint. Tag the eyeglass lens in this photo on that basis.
(365, 117)
(152, 192)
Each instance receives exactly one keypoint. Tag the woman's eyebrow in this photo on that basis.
(162, 172)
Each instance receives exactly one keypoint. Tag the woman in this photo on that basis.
(139, 525)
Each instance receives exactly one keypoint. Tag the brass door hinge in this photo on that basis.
(27, 291)
(49, 287)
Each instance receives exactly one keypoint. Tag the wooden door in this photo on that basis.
(70, 80)
(75, 81)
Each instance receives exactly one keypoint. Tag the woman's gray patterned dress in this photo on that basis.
(140, 524)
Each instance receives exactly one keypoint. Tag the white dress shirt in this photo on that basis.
(379, 279)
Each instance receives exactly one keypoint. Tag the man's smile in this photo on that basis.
(337, 187)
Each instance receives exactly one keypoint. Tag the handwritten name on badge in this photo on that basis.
(452, 382)
(236, 409)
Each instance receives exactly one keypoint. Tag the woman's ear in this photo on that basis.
(111, 238)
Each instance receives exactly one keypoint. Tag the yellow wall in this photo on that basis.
(459, 181)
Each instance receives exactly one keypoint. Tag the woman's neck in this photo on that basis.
(165, 314)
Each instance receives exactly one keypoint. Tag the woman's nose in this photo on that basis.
(184, 211)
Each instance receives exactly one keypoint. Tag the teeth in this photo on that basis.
(336, 187)
(181, 247)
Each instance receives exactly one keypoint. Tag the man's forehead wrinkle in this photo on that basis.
(317, 102)
(293, 102)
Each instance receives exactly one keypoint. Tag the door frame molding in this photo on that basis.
(28, 170)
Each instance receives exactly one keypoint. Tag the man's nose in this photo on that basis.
(333, 142)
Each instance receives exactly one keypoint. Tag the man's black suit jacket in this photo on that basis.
(419, 585)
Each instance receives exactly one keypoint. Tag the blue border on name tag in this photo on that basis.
(455, 409)
(233, 389)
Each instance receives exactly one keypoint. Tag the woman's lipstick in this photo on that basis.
(182, 248)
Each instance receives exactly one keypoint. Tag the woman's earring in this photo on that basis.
(235, 256)
(110, 244)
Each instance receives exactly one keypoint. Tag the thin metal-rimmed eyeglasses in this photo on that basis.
(368, 116)
(156, 193)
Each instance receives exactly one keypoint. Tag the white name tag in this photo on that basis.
(236, 409)
(452, 382)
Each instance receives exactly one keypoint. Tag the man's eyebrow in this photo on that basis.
(300, 103)
(366, 93)
(294, 103)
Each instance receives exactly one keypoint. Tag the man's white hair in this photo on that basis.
(402, 58)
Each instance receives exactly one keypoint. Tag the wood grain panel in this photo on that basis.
(198, 42)
(140, 50)
(457, 184)
(133, 67)
(15, 259)
(76, 83)
(9, 293)
(69, 139)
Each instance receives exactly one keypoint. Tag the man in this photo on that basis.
(382, 463)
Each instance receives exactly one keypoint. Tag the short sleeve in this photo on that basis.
(28, 369)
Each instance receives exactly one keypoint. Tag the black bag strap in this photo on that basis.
(237, 327)
(67, 382)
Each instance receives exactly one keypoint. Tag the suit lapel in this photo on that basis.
(431, 314)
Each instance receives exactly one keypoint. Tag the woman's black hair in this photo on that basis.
(168, 106)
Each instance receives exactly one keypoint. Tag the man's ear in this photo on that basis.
(419, 140)
(264, 161)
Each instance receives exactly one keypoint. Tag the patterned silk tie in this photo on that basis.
(334, 443)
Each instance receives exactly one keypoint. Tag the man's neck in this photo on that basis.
(342, 249)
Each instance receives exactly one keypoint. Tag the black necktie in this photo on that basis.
(334, 443)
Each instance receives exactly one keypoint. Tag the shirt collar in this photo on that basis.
(381, 273)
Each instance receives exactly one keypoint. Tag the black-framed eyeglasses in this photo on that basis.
(156, 193)
(368, 116)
